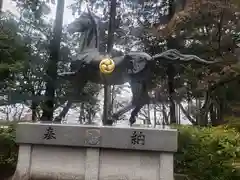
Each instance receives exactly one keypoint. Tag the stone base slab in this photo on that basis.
(135, 138)
(38, 162)
(75, 152)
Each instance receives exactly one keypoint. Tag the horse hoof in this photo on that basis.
(58, 119)
(109, 122)
(132, 121)
(115, 117)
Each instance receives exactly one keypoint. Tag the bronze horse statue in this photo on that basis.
(133, 67)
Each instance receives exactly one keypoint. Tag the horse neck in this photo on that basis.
(90, 40)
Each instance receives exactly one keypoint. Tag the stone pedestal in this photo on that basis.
(77, 152)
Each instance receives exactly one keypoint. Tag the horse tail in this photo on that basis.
(95, 27)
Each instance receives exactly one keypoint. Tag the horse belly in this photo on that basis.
(111, 79)
(117, 78)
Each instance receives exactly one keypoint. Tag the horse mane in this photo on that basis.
(95, 27)
(91, 32)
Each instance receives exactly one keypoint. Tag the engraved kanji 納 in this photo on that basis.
(138, 138)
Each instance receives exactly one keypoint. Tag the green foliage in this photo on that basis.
(8, 151)
(208, 153)
(12, 48)
(233, 122)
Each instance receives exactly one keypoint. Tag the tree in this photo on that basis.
(211, 37)
(48, 107)
(13, 50)
(35, 31)
(191, 32)
(1, 4)
(107, 89)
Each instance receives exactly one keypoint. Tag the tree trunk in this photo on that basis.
(165, 116)
(1, 5)
(148, 114)
(64, 112)
(81, 114)
(107, 88)
(155, 112)
(51, 72)
(171, 91)
(35, 104)
(107, 105)
(220, 111)
(177, 113)
(34, 111)
(90, 117)
(186, 114)
(198, 107)
(170, 69)
(112, 98)
(205, 109)
(213, 116)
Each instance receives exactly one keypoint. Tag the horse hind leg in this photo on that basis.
(134, 113)
(138, 102)
(122, 111)
(140, 98)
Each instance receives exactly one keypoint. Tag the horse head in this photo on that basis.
(80, 24)
(87, 26)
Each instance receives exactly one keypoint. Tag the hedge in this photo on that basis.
(210, 153)
(233, 122)
(8, 151)
(204, 153)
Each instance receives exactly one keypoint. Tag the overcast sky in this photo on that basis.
(68, 17)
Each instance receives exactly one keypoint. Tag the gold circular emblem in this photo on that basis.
(107, 66)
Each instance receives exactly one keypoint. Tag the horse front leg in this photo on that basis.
(64, 112)
(77, 88)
